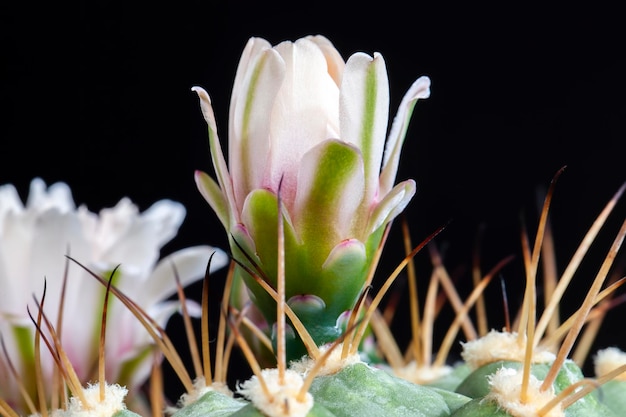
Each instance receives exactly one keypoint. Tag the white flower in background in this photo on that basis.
(34, 239)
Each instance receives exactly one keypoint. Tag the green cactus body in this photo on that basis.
(126, 413)
(211, 404)
(250, 411)
(613, 395)
(360, 390)
(451, 381)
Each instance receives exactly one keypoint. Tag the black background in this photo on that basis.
(98, 95)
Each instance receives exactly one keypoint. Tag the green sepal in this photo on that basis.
(211, 404)
(359, 390)
(213, 194)
(331, 189)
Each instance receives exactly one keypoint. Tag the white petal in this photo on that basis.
(249, 122)
(58, 195)
(134, 239)
(190, 264)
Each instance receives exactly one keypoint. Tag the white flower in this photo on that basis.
(34, 241)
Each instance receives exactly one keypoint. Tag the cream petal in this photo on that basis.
(420, 89)
(364, 110)
(334, 60)
(305, 107)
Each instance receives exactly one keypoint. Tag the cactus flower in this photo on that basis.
(308, 126)
(34, 239)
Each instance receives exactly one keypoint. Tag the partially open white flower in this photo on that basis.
(308, 126)
(34, 239)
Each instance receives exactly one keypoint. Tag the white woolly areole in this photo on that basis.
(199, 389)
(422, 374)
(333, 364)
(113, 402)
(606, 360)
(282, 400)
(501, 346)
(506, 391)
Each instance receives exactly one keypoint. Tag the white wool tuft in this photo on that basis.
(500, 346)
(200, 388)
(333, 364)
(609, 359)
(506, 389)
(113, 402)
(283, 398)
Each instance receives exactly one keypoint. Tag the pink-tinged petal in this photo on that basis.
(219, 163)
(214, 196)
(419, 90)
(334, 60)
(330, 191)
(249, 122)
(391, 205)
(305, 113)
(364, 110)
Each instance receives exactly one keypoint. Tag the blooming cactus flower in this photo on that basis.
(34, 239)
(308, 125)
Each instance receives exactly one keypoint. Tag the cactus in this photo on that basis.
(307, 223)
